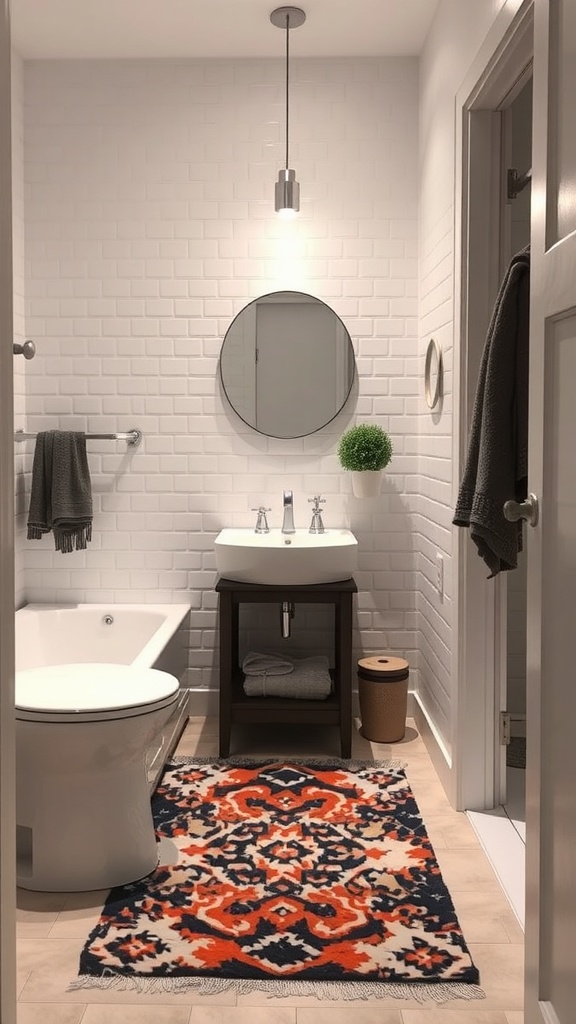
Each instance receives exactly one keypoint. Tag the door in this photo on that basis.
(517, 153)
(493, 81)
(8, 828)
(551, 760)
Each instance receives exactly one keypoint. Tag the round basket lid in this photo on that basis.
(385, 665)
(91, 687)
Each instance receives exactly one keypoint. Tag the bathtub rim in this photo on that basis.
(174, 616)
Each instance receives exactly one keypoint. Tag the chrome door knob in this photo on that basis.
(26, 349)
(528, 510)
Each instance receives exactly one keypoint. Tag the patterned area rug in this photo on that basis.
(296, 878)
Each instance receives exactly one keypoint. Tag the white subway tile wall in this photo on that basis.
(149, 225)
(454, 40)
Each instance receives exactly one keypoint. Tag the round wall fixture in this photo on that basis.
(433, 373)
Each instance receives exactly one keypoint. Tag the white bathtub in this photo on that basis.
(57, 634)
(146, 636)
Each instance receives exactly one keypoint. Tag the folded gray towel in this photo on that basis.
(61, 496)
(256, 664)
(309, 680)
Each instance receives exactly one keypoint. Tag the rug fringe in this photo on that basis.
(350, 764)
(335, 990)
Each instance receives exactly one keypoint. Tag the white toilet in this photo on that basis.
(82, 796)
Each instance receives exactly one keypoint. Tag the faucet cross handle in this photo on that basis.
(318, 500)
(261, 521)
(317, 526)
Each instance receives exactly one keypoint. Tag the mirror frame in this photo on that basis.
(433, 374)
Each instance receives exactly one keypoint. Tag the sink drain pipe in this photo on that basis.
(286, 614)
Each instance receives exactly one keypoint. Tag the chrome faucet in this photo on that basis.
(261, 521)
(288, 520)
(317, 526)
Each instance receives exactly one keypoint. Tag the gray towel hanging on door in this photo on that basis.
(497, 460)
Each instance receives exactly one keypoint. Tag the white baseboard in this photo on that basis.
(439, 755)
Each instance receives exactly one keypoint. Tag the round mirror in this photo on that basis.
(287, 364)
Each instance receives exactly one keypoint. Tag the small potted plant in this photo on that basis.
(365, 450)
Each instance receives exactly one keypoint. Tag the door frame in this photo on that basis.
(479, 629)
(7, 723)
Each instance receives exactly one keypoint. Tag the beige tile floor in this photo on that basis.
(53, 927)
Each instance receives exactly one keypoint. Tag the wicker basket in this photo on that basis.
(383, 693)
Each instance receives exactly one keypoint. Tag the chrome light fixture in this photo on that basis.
(287, 189)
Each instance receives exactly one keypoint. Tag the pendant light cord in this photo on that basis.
(287, 80)
(287, 189)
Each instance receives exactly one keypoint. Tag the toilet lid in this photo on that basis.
(91, 687)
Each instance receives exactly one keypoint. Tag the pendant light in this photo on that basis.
(287, 189)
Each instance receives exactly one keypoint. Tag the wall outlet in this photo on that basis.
(439, 572)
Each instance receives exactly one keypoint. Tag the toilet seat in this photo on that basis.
(91, 692)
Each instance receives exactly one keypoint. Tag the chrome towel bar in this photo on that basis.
(132, 437)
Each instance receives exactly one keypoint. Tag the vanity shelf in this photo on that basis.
(236, 707)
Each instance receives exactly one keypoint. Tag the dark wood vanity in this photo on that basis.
(237, 708)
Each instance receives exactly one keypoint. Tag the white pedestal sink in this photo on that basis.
(294, 559)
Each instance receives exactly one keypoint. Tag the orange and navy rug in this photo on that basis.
(296, 878)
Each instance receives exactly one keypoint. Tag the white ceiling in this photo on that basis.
(216, 28)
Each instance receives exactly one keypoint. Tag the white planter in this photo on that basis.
(367, 483)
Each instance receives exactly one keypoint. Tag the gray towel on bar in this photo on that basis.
(61, 496)
(497, 460)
